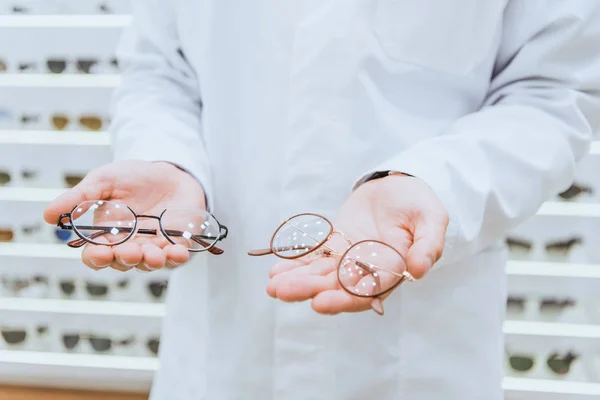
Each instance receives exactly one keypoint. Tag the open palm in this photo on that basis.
(147, 188)
(415, 225)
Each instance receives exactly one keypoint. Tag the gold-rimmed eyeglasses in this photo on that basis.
(368, 268)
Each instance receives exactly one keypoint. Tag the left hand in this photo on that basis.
(399, 210)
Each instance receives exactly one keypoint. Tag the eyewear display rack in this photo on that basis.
(64, 150)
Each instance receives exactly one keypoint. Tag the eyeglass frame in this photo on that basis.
(329, 251)
(77, 243)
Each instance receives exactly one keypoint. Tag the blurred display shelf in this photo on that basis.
(86, 81)
(24, 194)
(85, 371)
(595, 150)
(64, 21)
(546, 389)
(553, 269)
(533, 328)
(39, 250)
(565, 209)
(82, 307)
(51, 138)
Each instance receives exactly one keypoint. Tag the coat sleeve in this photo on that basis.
(156, 110)
(494, 168)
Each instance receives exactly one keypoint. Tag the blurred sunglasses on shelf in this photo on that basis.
(72, 180)
(27, 66)
(36, 286)
(4, 178)
(559, 364)
(560, 246)
(17, 336)
(18, 9)
(100, 344)
(158, 288)
(575, 191)
(29, 119)
(518, 304)
(6, 235)
(87, 121)
(103, 8)
(59, 65)
(368, 268)
(63, 236)
(3, 66)
(93, 289)
(110, 223)
(153, 345)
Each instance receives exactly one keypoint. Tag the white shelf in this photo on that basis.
(60, 80)
(547, 387)
(64, 21)
(553, 269)
(39, 250)
(35, 195)
(565, 209)
(551, 329)
(83, 307)
(51, 138)
(86, 371)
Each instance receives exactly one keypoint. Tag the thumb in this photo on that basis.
(428, 243)
(97, 185)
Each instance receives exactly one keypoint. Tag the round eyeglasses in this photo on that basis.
(369, 268)
(110, 223)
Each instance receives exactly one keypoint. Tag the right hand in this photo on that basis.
(147, 188)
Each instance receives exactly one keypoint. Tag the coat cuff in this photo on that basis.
(417, 165)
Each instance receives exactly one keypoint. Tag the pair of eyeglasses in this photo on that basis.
(3, 66)
(518, 304)
(158, 288)
(368, 268)
(68, 287)
(575, 191)
(59, 65)
(100, 344)
(17, 286)
(554, 247)
(87, 121)
(17, 336)
(6, 235)
(559, 364)
(4, 178)
(110, 223)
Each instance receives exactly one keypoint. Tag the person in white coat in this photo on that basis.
(265, 109)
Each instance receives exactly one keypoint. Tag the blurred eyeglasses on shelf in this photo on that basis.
(158, 288)
(368, 268)
(554, 247)
(3, 66)
(17, 336)
(110, 223)
(35, 287)
(93, 289)
(86, 121)
(575, 192)
(518, 304)
(6, 235)
(100, 344)
(559, 364)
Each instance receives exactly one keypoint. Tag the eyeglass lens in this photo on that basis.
(4, 178)
(300, 235)
(521, 363)
(103, 222)
(371, 268)
(14, 336)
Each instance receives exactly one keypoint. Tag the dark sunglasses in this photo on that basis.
(14, 336)
(560, 365)
(157, 288)
(153, 345)
(575, 191)
(68, 287)
(561, 246)
(546, 304)
(59, 65)
(100, 344)
(4, 178)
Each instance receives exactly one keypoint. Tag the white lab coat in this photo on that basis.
(279, 107)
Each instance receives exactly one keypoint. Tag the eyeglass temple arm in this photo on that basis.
(106, 229)
(264, 252)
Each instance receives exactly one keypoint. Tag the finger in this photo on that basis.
(293, 278)
(285, 266)
(428, 244)
(97, 257)
(127, 255)
(154, 257)
(290, 288)
(176, 255)
(333, 302)
(95, 186)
